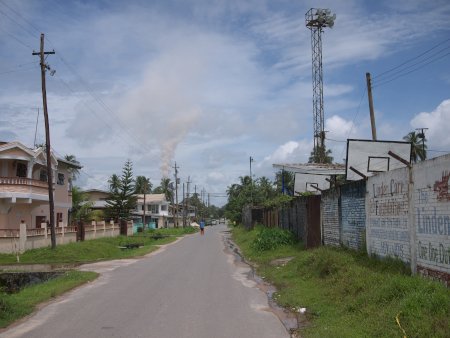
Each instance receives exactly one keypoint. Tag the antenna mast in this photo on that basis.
(317, 19)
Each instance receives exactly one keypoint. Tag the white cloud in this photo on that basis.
(437, 123)
(290, 152)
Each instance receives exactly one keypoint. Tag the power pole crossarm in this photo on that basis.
(44, 67)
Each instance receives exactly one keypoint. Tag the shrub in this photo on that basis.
(272, 238)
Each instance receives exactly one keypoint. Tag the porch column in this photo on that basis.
(22, 236)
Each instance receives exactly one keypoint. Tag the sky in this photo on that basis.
(210, 83)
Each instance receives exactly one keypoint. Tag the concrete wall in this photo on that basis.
(431, 197)
(353, 214)
(330, 217)
(388, 227)
(33, 239)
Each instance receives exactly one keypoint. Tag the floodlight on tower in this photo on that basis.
(316, 20)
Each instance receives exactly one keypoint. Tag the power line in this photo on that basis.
(20, 15)
(16, 70)
(411, 71)
(356, 115)
(96, 114)
(17, 39)
(18, 24)
(410, 60)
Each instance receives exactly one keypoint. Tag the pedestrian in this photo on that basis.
(202, 227)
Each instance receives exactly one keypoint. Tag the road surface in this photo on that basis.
(190, 288)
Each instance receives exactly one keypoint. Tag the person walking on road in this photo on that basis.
(202, 227)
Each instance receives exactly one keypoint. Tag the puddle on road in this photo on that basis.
(288, 318)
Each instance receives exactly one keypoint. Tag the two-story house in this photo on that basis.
(156, 209)
(24, 187)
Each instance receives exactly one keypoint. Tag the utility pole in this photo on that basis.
(251, 180)
(44, 67)
(188, 186)
(176, 194)
(372, 113)
(422, 136)
(184, 208)
(195, 194)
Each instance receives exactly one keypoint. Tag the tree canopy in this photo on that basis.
(122, 193)
(418, 145)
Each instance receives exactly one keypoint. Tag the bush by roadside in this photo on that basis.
(347, 294)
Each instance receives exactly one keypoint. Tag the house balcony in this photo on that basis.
(23, 189)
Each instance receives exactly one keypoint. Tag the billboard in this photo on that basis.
(310, 183)
(366, 157)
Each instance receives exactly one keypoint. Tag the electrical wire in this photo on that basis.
(19, 15)
(411, 71)
(410, 60)
(18, 24)
(17, 39)
(99, 101)
(17, 70)
(413, 64)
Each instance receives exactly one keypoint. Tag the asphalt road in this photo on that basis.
(190, 288)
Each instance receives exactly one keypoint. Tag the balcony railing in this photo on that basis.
(22, 181)
(9, 233)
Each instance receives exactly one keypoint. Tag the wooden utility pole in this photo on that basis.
(44, 67)
(372, 113)
(176, 195)
(188, 201)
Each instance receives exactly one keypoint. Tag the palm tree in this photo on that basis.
(285, 182)
(75, 171)
(418, 146)
(114, 183)
(165, 188)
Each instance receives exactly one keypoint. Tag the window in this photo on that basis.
(163, 207)
(154, 209)
(60, 179)
(43, 175)
(21, 170)
(59, 218)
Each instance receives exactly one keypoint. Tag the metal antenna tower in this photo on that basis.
(317, 19)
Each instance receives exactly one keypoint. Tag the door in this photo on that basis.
(39, 220)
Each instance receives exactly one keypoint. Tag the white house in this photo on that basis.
(156, 209)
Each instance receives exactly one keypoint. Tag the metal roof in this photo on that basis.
(312, 168)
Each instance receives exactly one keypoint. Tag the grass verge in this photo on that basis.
(348, 294)
(97, 249)
(18, 305)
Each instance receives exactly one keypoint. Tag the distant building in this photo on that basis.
(97, 197)
(156, 210)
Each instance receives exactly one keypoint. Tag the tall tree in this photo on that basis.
(165, 188)
(418, 146)
(122, 190)
(74, 171)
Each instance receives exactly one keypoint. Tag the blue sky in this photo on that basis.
(210, 83)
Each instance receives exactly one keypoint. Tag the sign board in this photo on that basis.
(310, 183)
(366, 157)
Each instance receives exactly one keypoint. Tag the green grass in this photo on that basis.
(18, 305)
(97, 249)
(348, 294)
